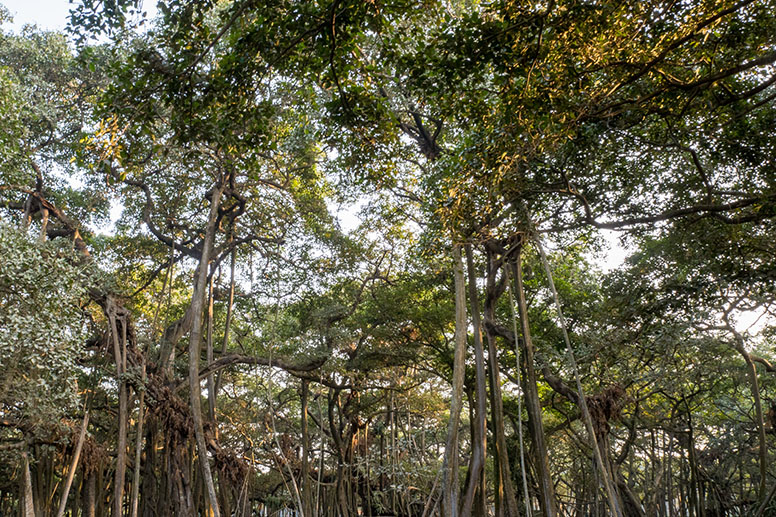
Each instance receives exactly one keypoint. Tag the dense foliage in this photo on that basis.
(349, 258)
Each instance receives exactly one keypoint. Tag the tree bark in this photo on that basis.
(504, 491)
(479, 438)
(29, 502)
(133, 504)
(343, 505)
(599, 454)
(120, 355)
(307, 496)
(450, 486)
(152, 485)
(211, 384)
(533, 406)
(519, 420)
(73, 466)
(754, 386)
(228, 323)
(44, 218)
(195, 342)
(90, 495)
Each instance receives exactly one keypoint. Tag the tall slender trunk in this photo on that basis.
(504, 490)
(479, 439)
(367, 476)
(73, 465)
(341, 483)
(152, 485)
(321, 459)
(29, 502)
(135, 496)
(695, 492)
(228, 323)
(392, 456)
(100, 483)
(307, 496)
(450, 486)
(211, 383)
(607, 477)
(533, 406)
(90, 494)
(519, 420)
(195, 342)
(754, 386)
(120, 355)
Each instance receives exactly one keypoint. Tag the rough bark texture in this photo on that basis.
(134, 498)
(29, 503)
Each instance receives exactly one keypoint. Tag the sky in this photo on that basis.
(47, 14)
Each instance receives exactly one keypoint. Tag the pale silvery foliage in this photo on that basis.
(11, 128)
(42, 328)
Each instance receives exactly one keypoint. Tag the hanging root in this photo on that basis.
(606, 406)
(170, 411)
(770, 424)
(231, 467)
(93, 456)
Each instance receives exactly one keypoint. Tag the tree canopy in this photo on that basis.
(350, 258)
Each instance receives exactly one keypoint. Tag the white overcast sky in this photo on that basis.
(48, 14)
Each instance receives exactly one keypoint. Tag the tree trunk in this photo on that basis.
(152, 485)
(120, 355)
(336, 434)
(211, 383)
(479, 438)
(450, 484)
(533, 406)
(195, 342)
(518, 422)
(228, 323)
(504, 491)
(754, 386)
(307, 496)
(44, 218)
(133, 503)
(599, 455)
(90, 494)
(29, 502)
(73, 465)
